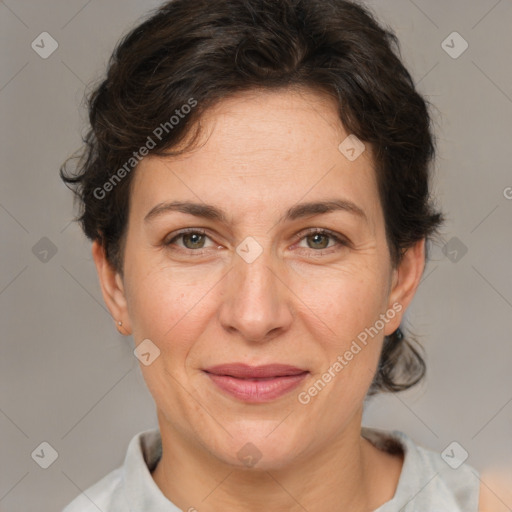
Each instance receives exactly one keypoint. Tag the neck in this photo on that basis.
(346, 473)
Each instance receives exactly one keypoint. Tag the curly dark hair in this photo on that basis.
(194, 53)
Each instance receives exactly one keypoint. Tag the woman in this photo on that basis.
(256, 186)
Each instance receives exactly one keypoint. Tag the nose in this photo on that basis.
(257, 303)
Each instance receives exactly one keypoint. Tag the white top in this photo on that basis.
(427, 483)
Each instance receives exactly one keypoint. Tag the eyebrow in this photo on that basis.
(298, 211)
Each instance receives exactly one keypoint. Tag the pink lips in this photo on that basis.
(256, 384)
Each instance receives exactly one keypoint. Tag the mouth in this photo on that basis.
(245, 371)
(256, 384)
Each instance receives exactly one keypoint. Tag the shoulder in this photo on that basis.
(452, 483)
(103, 495)
(495, 491)
(129, 483)
(430, 480)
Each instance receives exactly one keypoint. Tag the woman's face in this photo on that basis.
(255, 285)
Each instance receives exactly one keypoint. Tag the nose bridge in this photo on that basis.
(255, 279)
(255, 303)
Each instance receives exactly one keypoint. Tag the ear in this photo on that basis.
(112, 288)
(404, 282)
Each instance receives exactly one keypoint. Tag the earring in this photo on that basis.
(119, 323)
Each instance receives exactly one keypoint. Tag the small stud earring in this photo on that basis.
(119, 323)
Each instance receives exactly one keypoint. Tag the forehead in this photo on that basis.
(261, 151)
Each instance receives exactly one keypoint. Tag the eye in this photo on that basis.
(318, 239)
(193, 239)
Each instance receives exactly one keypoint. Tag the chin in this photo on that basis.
(261, 452)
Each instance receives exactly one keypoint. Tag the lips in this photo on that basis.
(256, 384)
(244, 371)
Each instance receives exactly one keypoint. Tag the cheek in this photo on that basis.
(166, 303)
(170, 307)
(172, 303)
(345, 301)
(343, 311)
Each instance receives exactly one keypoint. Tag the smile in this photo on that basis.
(259, 389)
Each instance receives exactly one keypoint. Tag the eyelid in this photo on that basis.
(339, 239)
(324, 231)
(185, 231)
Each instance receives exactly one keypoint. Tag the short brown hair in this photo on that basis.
(206, 50)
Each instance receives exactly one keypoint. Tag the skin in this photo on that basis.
(261, 153)
(495, 490)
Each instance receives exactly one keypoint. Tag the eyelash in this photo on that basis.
(313, 231)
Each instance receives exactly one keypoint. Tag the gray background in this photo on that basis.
(68, 378)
